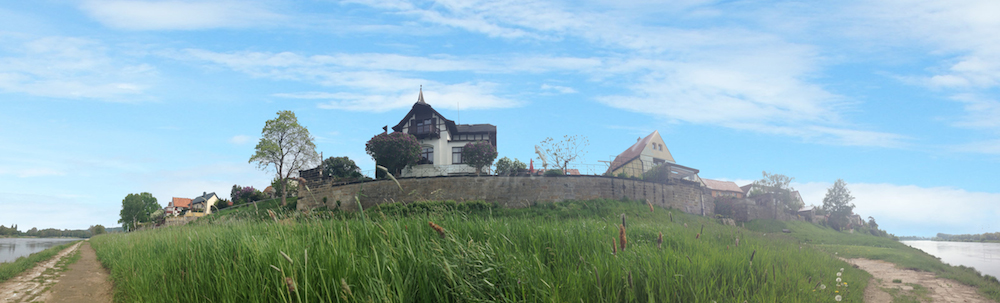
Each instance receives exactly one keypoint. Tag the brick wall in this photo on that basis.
(508, 191)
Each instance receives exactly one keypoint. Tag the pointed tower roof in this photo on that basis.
(420, 99)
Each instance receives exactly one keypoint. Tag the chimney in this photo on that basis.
(638, 139)
(204, 193)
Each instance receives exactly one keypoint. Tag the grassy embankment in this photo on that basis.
(558, 252)
(12, 269)
(878, 248)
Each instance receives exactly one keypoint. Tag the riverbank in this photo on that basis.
(9, 270)
(32, 285)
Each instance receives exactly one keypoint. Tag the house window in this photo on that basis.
(456, 155)
(424, 126)
(426, 156)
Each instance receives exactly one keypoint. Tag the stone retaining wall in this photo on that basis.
(508, 191)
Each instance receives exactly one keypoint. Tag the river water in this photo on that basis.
(12, 248)
(985, 257)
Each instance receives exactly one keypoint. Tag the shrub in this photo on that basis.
(393, 151)
(554, 172)
(341, 169)
(479, 154)
(506, 167)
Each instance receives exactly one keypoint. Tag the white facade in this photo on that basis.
(444, 158)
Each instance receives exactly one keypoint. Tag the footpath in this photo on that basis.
(917, 285)
(84, 281)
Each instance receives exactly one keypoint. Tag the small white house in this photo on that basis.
(204, 203)
(441, 141)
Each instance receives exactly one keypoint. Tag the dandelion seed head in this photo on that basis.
(841, 269)
(822, 286)
(838, 298)
(838, 280)
(838, 274)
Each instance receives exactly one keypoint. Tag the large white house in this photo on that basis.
(441, 141)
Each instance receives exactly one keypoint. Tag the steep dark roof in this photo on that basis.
(476, 128)
(631, 153)
(202, 199)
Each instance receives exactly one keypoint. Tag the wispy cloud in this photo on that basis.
(73, 68)
(559, 89)
(178, 15)
(240, 139)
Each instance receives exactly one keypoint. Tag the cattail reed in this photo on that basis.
(346, 289)
(697, 236)
(623, 221)
(671, 216)
(290, 283)
(650, 205)
(614, 247)
(630, 279)
(751, 256)
(702, 229)
(621, 236)
(286, 257)
(659, 241)
(438, 228)
(598, 276)
(737, 242)
(689, 259)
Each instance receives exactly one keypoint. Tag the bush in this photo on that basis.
(506, 167)
(341, 169)
(393, 151)
(554, 172)
(479, 155)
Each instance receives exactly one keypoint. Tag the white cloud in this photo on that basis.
(240, 139)
(178, 15)
(73, 68)
(442, 96)
(559, 89)
(914, 210)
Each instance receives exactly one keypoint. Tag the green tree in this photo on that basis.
(393, 151)
(341, 168)
(562, 152)
(286, 147)
(837, 202)
(778, 187)
(137, 208)
(97, 230)
(506, 166)
(478, 155)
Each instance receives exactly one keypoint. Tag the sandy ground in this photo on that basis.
(85, 281)
(940, 290)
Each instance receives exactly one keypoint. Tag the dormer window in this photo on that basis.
(424, 126)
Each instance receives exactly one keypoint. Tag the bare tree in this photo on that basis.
(562, 152)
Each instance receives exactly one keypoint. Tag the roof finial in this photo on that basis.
(420, 99)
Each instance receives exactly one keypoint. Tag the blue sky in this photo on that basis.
(103, 98)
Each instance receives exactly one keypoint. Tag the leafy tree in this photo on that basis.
(286, 147)
(241, 195)
(137, 208)
(393, 151)
(837, 202)
(478, 155)
(506, 166)
(777, 186)
(562, 152)
(341, 168)
(291, 190)
(97, 230)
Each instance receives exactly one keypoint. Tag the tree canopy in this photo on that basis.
(285, 147)
(394, 151)
(779, 187)
(478, 155)
(137, 208)
(341, 168)
(562, 152)
(837, 203)
(506, 166)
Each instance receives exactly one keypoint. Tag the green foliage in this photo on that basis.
(97, 230)
(137, 208)
(778, 187)
(622, 175)
(506, 167)
(291, 189)
(562, 152)
(659, 174)
(478, 155)
(554, 172)
(341, 169)
(549, 252)
(9, 231)
(285, 147)
(12, 269)
(394, 151)
(55, 233)
(245, 194)
(838, 203)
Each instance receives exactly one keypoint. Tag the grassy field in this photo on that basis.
(12, 269)
(877, 248)
(561, 252)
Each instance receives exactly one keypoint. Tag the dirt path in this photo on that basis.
(53, 281)
(914, 284)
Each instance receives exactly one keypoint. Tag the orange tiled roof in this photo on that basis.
(181, 202)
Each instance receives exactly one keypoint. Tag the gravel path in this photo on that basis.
(939, 289)
(84, 281)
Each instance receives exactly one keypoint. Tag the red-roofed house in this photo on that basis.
(176, 206)
(723, 188)
(642, 156)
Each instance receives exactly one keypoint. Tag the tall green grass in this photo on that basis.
(12, 269)
(558, 252)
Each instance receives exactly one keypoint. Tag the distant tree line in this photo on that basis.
(984, 237)
(52, 232)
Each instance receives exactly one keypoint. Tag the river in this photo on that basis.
(984, 257)
(12, 248)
